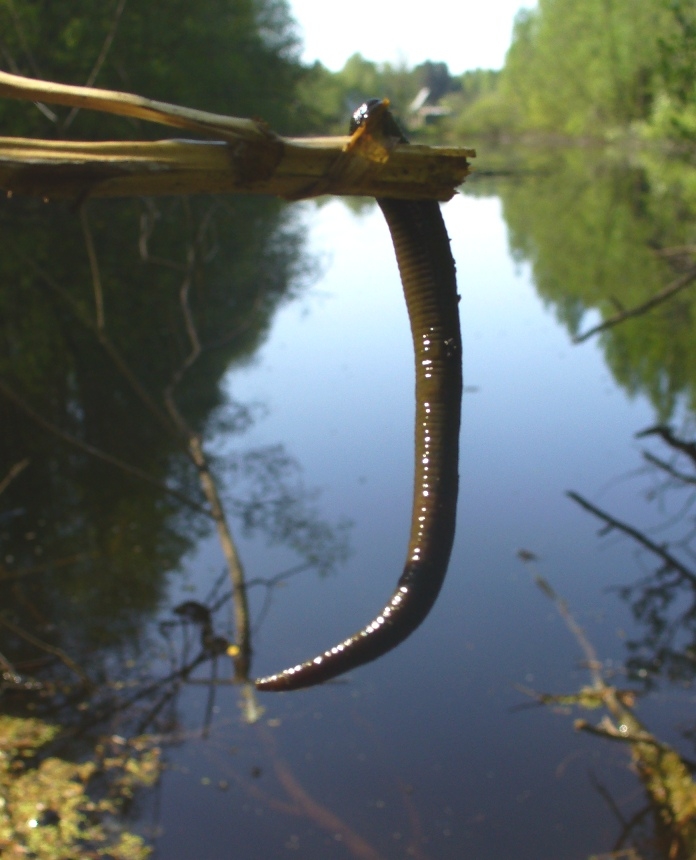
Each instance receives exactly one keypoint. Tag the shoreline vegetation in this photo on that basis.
(576, 70)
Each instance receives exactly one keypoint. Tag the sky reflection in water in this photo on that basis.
(423, 745)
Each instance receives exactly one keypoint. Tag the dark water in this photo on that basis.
(435, 751)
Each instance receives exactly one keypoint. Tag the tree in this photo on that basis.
(584, 66)
(238, 57)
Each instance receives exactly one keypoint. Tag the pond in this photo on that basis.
(449, 746)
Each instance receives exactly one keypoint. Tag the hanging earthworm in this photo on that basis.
(428, 277)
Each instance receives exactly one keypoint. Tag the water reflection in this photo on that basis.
(421, 754)
(607, 238)
(662, 601)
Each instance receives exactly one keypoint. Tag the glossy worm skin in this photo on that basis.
(427, 273)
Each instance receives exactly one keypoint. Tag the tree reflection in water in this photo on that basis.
(664, 605)
(87, 569)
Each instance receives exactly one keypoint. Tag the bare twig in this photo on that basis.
(670, 290)
(96, 68)
(663, 772)
(100, 333)
(303, 804)
(638, 536)
(270, 584)
(97, 453)
(46, 646)
(136, 107)
(94, 269)
(14, 68)
(593, 663)
(667, 435)
(15, 470)
(22, 37)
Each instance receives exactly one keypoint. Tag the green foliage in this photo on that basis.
(46, 807)
(330, 98)
(674, 112)
(477, 108)
(597, 68)
(677, 53)
(325, 104)
(581, 67)
(592, 231)
(231, 56)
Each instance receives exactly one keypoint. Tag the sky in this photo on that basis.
(463, 35)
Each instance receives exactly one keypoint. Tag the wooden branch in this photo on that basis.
(246, 156)
(127, 104)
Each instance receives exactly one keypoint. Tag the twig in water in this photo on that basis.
(45, 646)
(613, 523)
(678, 284)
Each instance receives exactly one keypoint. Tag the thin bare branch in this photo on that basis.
(593, 663)
(46, 646)
(207, 481)
(638, 536)
(306, 805)
(136, 107)
(96, 68)
(667, 435)
(14, 68)
(94, 269)
(97, 453)
(22, 37)
(14, 471)
(678, 284)
(670, 470)
(100, 333)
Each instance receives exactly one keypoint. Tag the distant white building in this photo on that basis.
(421, 113)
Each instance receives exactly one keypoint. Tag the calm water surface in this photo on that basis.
(437, 750)
(425, 753)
